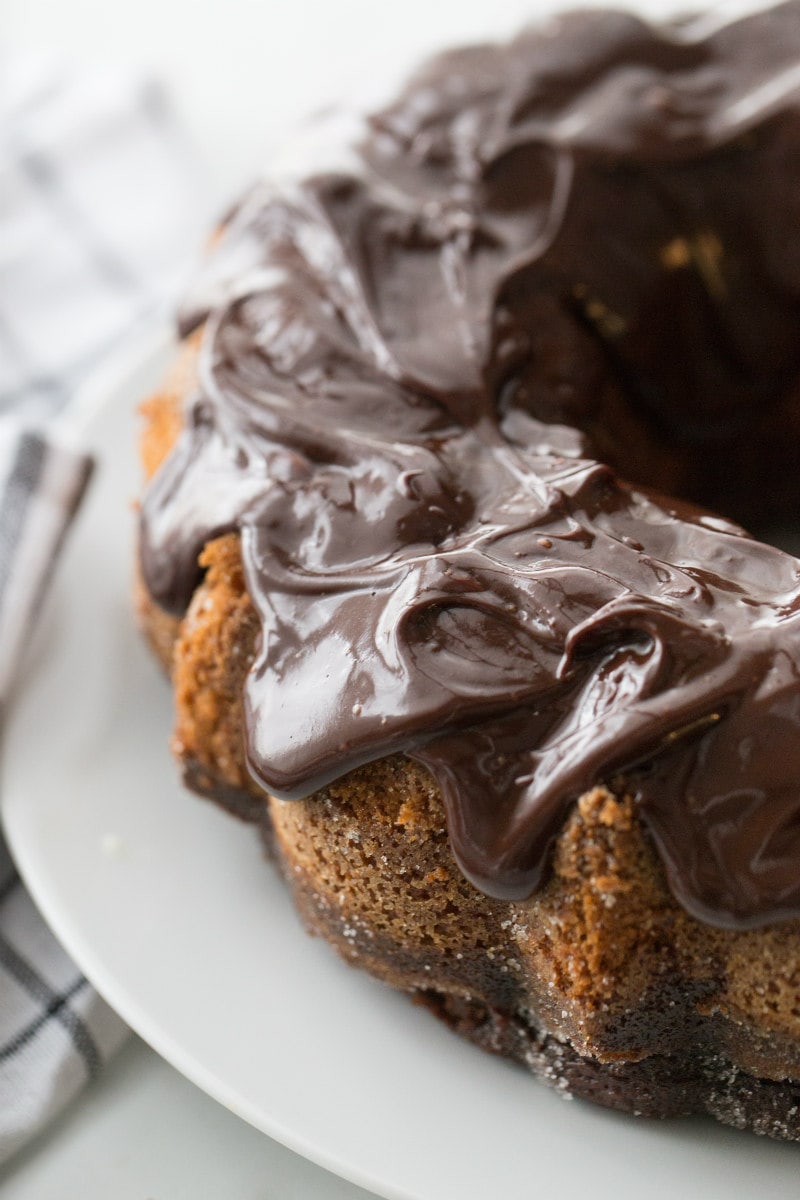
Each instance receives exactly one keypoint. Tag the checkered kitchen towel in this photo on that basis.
(98, 217)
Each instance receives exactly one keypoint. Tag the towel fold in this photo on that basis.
(102, 205)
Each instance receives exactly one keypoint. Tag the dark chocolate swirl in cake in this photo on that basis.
(580, 248)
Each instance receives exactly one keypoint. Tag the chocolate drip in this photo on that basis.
(580, 247)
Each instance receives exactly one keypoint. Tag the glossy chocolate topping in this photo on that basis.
(582, 247)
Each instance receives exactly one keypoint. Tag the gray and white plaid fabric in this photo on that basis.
(98, 218)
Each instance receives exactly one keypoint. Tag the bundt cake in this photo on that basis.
(520, 726)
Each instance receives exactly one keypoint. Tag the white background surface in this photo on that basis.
(143, 1132)
(225, 59)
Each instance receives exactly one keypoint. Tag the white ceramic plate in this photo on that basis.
(170, 909)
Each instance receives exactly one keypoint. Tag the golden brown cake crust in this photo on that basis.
(601, 983)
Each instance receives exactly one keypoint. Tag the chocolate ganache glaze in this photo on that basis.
(581, 247)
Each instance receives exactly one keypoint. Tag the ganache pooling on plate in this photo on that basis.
(578, 248)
